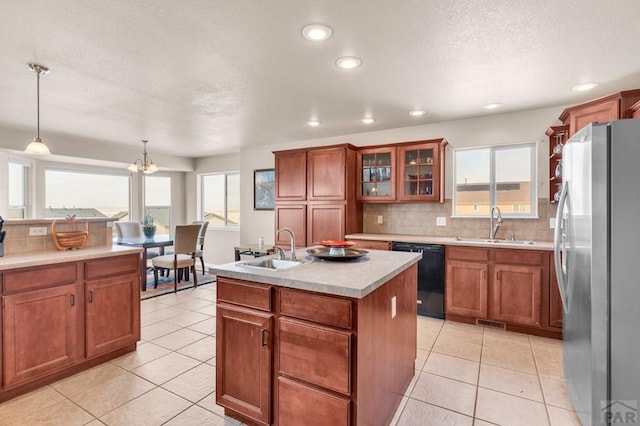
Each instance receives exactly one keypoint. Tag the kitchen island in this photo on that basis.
(320, 343)
(65, 311)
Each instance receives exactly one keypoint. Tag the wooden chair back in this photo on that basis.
(185, 239)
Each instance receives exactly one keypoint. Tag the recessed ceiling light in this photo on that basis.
(313, 123)
(317, 32)
(348, 62)
(583, 87)
(492, 106)
(417, 112)
(367, 120)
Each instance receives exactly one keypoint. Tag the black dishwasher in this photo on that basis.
(430, 277)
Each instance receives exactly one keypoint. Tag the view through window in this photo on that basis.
(221, 199)
(498, 175)
(18, 196)
(86, 194)
(157, 202)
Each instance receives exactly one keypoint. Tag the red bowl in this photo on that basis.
(336, 243)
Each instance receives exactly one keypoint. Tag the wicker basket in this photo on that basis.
(70, 240)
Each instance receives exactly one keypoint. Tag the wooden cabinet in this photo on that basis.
(601, 110)
(376, 168)
(555, 302)
(506, 288)
(371, 244)
(558, 136)
(40, 332)
(327, 209)
(299, 404)
(420, 174)
(63, 318)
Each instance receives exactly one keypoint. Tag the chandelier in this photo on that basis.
(37, 146)
(145, 165)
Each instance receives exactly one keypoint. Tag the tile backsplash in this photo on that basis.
(420, 219)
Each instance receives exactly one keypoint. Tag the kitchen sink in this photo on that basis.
(486, 240)
(271, 264)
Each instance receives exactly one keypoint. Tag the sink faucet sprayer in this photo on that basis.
(494, 226)
(292, 238)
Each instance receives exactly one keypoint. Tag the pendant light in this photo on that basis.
(145, 165)
(38, 147)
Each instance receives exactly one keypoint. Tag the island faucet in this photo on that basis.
(292, 238)
(494, 226)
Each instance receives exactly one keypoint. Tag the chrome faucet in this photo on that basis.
(292, 238)
(494, 226)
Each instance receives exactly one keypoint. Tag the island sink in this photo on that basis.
(271, 263)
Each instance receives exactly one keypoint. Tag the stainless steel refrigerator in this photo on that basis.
(597, 256)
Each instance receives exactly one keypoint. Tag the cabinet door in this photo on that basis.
(325, 222)
(466, 288)
(600, 113)
(517, 294)
(113, 313)
(244, 356)
(419, 172)
(291, 176)
(555, 302)
(294, 217)
(40, 331)
(376, 174)
(326, 174)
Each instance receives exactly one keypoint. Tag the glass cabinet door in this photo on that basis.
(419, 171)
(376, 180)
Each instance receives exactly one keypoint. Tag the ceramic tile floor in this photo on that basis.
(464, 375)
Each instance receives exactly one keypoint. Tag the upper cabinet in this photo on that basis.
(558, 136)
(376, 174)
(326, 177)
(421, 171)
(608, 108)
(291, 175)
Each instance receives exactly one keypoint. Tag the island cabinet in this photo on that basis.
(287, 356)
(315, 194)
(62, 318)
(503, 288)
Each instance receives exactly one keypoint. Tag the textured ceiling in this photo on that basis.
(199, 78)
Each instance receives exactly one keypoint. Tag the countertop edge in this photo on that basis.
(450, 241)
(52, 257)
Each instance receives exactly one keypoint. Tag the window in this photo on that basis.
(18, 195)
(221, 199)
(157, 202)
(498, 175)
(86, 194)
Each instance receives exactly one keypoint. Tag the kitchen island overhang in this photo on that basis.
(323, 341)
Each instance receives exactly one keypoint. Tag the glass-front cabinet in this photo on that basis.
(376, 174)
(420, 171)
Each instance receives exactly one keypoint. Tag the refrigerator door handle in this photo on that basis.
(559, 248)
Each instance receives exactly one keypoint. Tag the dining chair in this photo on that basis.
(203, 232)
(184, 249)
(133, 230)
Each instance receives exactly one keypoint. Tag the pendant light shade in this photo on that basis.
(145, 165)
(38, 147)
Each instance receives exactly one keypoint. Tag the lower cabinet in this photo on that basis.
(40, 333)
(300, 404)
(506, 288)
(56, 320)
(371, 244)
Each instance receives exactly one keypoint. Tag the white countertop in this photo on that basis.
(52, 257)
(452, 241)
(355, 278)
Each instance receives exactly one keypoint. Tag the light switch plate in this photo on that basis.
(441, 221)
(393, 307)
(380, 220)
(552, 222)
(37, 230)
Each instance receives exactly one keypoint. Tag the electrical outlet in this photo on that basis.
(393, 307)
(37, 230)
(380, 221)
(441, 221)
(552, 222)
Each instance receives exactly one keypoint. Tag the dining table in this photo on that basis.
(157, 241)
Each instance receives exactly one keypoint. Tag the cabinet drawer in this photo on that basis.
(110, 266)
(244, 293)
(371, 244)
(523, 257)
(302, 405)
(39, 277)
(467, 253)
(315, 354)
(317, 308)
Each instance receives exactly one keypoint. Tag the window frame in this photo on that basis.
(201, 194)
(533, 187)
(26, 179)
(144, 199)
